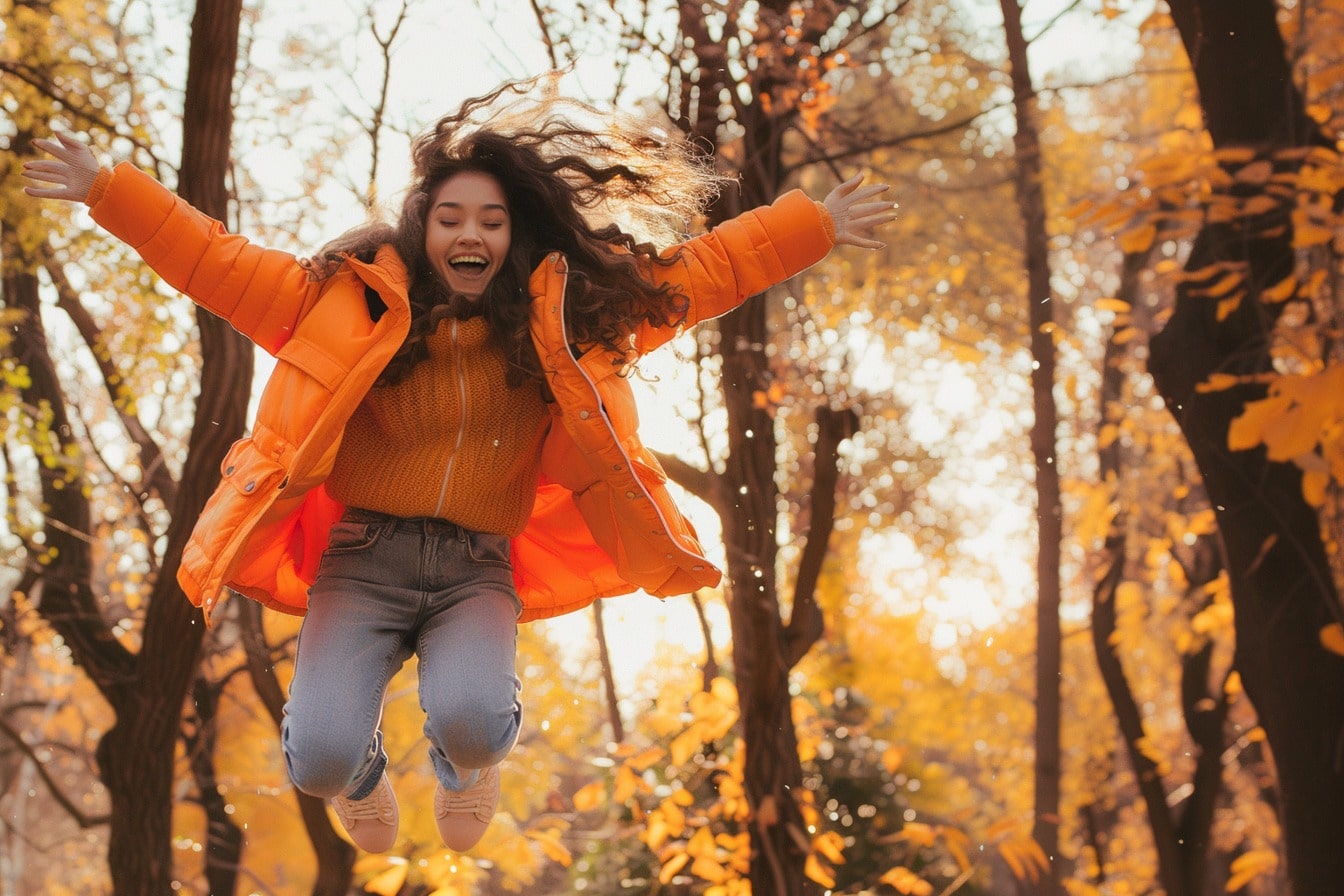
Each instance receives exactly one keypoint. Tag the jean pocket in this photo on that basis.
(351, 537)
(488, 549)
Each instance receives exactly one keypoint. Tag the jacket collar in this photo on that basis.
(387, 276)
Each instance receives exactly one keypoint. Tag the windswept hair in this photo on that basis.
(596, 186)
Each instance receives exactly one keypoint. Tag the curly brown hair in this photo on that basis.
(559, 176)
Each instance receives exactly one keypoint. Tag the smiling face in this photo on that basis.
(468, 232)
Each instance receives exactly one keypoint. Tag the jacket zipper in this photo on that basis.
(629, 464)
(462, 420)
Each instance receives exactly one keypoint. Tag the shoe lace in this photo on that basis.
(372, 806)
(477, 796)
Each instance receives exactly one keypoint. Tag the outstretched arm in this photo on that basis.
(71, 170)
(262, 292)
(856, 216)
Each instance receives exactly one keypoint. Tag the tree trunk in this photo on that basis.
(1281, 584)
(1049, 517)
(136, 754)
(335, 856)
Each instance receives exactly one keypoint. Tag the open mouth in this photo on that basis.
(472, 265)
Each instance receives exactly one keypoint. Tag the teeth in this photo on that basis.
(468, 259)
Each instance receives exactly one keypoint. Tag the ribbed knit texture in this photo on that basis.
(401, 453)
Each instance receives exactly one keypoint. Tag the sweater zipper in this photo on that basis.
(462, 419)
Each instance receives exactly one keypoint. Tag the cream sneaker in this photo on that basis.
(372, 821)
(464, 815)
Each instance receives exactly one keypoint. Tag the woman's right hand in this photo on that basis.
(71, 171)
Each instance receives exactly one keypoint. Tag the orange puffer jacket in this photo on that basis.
(603, 524)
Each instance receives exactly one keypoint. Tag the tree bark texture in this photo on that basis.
(1281, 584)
(335, 856)
(136, 754)
(764, 648)
(1049, 516)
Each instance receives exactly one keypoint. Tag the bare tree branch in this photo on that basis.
(69, 805)
(157, 475)
(806, 624)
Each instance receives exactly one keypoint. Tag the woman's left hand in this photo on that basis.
(856, 218)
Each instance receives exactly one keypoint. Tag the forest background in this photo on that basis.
(1031, 519)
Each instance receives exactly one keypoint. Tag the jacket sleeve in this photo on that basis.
(742, 257)
(261, 292)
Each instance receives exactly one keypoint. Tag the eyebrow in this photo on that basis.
(492, 206)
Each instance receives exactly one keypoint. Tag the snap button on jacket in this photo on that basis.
(603, 523)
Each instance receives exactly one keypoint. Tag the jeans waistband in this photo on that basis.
(427, 525)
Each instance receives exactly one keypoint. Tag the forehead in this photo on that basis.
(469, 189)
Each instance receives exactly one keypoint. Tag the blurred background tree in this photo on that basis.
(857, 712)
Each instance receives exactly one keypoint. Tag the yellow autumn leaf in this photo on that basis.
(656, 831)
(709, 868)
(1117, 306)
(903, 880)
(645, 759)
(830, 845)
(1222, 286)
(1218, 382)
(892, 759)
(1315, 484)
(918, 833)
(1306, 235)
(1250, 865)
(549, 841)
(1259, 205)
(1281, 291)
(589, 796)
(1025, 858)
(958, 844)
(815, 870)
(1332, 638)
(374, 862)
(1125, 334)
(1256, 172)
(390, 882)
(1010, 858)
(1138, 239)
(685, 745)
(1227, 306)
(627, 784)
(1248, 430)
(671, 867)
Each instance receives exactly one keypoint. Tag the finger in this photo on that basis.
(868, 192)
(46, 176)
(870, 222)
(862, 242)
(51, 147)
(47, 192)
(872, 208)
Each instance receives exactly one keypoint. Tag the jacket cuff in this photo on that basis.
(99, 187)
(827, 222)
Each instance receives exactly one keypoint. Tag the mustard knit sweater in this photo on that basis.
(451, 440)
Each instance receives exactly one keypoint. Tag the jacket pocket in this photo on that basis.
(248, 472)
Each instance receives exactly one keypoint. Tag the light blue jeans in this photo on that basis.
(388, 587)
